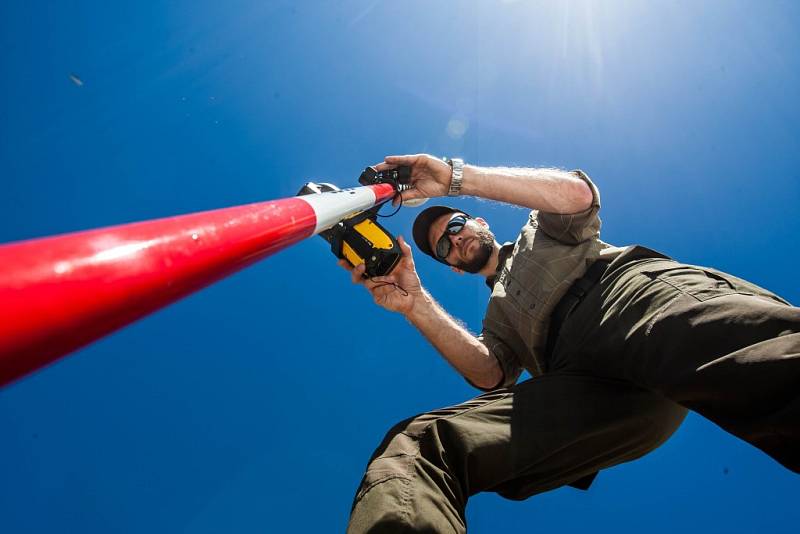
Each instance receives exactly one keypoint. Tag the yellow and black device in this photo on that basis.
(360, 238)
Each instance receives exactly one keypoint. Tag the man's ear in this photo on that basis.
(456, 270)
(482, 222)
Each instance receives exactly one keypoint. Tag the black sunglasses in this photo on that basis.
(454, 226)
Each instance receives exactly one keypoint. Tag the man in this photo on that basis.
(619, 341)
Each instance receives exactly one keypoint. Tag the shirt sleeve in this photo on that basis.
(509, 363)
(572, 228)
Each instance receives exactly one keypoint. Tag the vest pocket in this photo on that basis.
(699, 282)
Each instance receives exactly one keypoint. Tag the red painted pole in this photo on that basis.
(60, 293)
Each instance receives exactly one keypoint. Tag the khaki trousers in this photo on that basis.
(652, 339)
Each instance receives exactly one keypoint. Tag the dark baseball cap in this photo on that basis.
(422, 225)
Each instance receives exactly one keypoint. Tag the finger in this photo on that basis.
(373, 285)
(344, 264)
(408, 256)
(381, 292)
(356, 273)
(383, 166)
(380, 289)
(405, 247)
(411, 194)
(389, 279)
(374, 282)
(403, 160)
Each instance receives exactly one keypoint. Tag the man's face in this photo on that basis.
(470, 248)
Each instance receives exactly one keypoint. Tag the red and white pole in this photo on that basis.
(60, 293)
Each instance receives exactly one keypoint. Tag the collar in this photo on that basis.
(505, 252)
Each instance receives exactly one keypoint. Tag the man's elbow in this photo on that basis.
(582, 195)
(492, 378)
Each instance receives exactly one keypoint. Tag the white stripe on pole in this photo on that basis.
(333, 206)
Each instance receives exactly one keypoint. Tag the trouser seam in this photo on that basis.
(405, 505)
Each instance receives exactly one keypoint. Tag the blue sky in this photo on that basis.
(253, 405)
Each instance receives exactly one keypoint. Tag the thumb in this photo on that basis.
(412, 194)
(405, 247)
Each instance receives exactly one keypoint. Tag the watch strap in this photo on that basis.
(456, 176)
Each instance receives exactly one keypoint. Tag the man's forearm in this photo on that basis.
(460, 348)
(550, 190)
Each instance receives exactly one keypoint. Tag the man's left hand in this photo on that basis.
(430, 176)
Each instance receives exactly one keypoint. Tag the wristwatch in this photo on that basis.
(457, 175)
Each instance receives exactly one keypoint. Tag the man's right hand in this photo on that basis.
(400, 290)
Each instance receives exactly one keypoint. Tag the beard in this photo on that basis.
(482, 253)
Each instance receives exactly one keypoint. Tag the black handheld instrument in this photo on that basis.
(360, 238)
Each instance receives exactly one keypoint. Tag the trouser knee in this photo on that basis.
(401, 490)
(403, 448)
